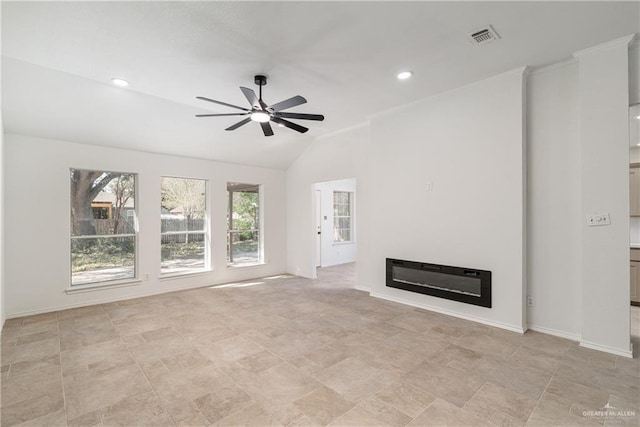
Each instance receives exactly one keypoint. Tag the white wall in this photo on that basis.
(2, 234)
(554, 212)
(604, 132)
(555, 215)
(336, 253)
(37, 215)
(474, 216)
(2, 274)
(330, 158)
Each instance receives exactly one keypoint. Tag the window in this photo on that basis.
(183, 230)
(342, 213)
(243, 224)
(103, 228)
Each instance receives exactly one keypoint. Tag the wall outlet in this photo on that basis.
(147, 276)
(429, 185)
(530, 302)
(597, 219)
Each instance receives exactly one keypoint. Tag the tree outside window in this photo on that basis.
(183, 225)
(103, 229)
(243, 224)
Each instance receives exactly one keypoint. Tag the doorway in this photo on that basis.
(335, 228)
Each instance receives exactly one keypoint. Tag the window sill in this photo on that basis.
(351, 242)
(77, 289)
(247, 265)
(173, 276)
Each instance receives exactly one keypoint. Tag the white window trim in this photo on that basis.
(261, 249)
(207, 236)
(351, 219)
(99, 286)
(130, 281)
(171, 276)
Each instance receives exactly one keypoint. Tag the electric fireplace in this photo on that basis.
(461, 284)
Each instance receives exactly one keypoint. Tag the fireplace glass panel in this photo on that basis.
(431, 279)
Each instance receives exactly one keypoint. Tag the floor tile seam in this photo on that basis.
(387, 404)
(253, 400)
(395, 407)
(474, 394)
(320, 386)
(540, 398)
(102, 409)
(521, 396)
(155, 392)
(430, 404)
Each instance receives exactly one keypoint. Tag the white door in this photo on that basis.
(318, 228)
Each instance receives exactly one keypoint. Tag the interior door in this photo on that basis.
(318, 228)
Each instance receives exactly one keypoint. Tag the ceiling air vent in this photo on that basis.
(483, 35)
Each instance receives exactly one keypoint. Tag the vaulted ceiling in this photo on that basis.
(58, 59)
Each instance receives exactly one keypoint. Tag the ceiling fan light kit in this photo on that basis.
(262, 113)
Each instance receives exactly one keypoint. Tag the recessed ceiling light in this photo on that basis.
(404, 75)
(120, 82)
(638, 117)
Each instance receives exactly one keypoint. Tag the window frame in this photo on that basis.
(206, 232)
(259, 230)
(88, 286)
(351, 217)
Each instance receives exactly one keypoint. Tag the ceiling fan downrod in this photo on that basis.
(260, 80)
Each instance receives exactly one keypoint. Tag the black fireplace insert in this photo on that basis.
(466, 285)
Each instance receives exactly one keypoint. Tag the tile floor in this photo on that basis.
(291, 351)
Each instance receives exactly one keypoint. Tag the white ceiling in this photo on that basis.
(58, 59)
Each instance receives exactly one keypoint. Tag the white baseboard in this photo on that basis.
(500, 325)
(556, 333)
(618, 352)
(98, 301)
(362, 288)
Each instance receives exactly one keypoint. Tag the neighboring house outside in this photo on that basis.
(103, 206)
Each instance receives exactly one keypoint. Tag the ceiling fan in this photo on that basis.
(263, 113)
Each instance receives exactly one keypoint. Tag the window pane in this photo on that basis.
(246, 210)
(182, 253)
(345, 235)
(174, 223)
(245, 247)
(243, 223)
(341, 210)
(182, 211)
(341, 197)
(102, 204)
(341, 216)
(101, 259)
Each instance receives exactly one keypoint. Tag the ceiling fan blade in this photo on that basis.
(289, 124)
(222, 103)
(288, 103)
(266, 128)
(318, 117)
(240, 123)
(220, 115)
(251, 96)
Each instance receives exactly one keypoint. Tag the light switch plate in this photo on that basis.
(597, 219)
